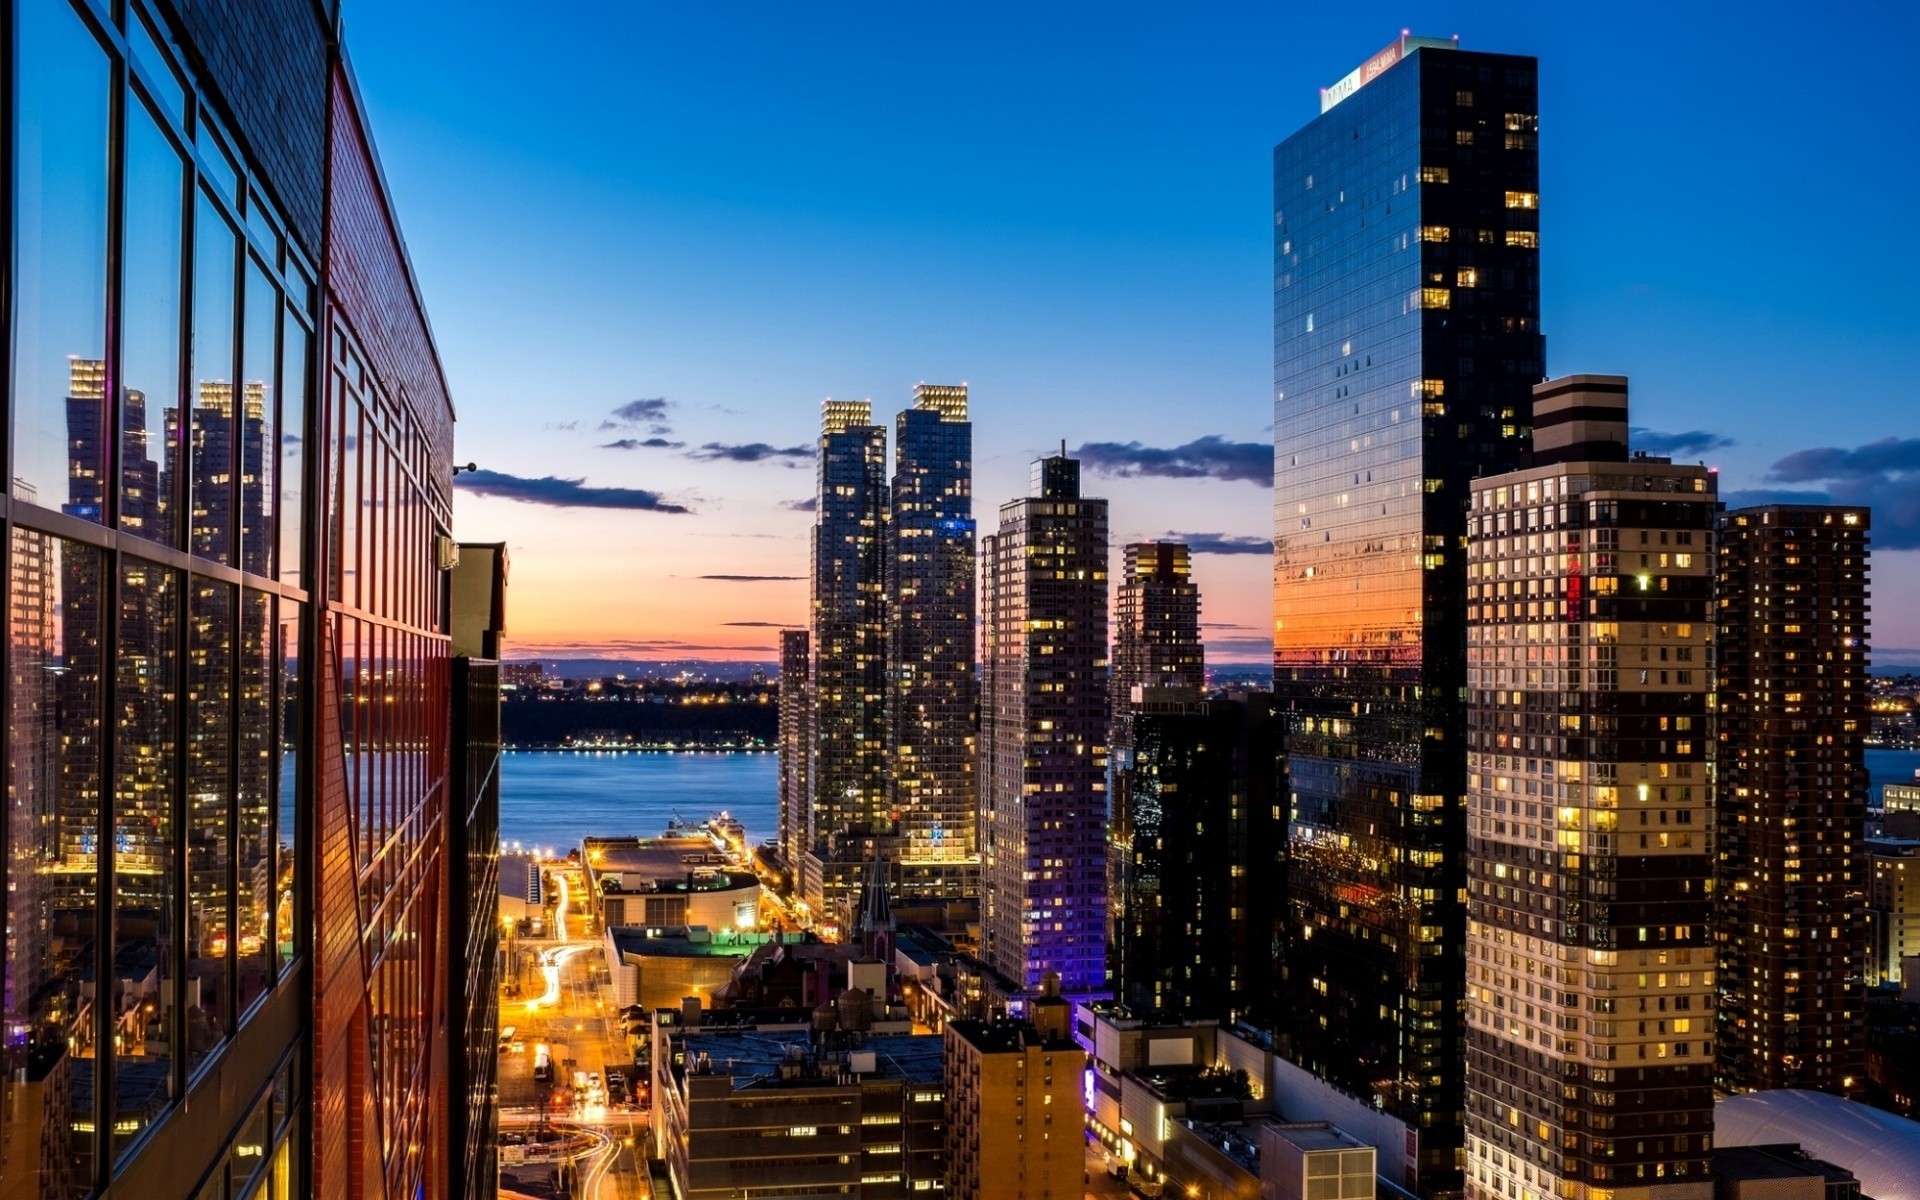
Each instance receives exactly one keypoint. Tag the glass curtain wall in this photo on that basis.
(158, 379)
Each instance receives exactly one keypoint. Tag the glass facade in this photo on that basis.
(930, 613)
(146, 759)
(1406, 339)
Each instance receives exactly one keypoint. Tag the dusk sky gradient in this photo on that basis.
(652, 237)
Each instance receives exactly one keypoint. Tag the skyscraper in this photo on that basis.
(930, 628)
(1043, 761)
(1197, 914)
(1406, 338)
(1156, 645)
(796, 722)
(849, 770)
(1793, 798)
(1589, 957)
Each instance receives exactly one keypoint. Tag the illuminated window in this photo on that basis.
(1435, 297)
(1463, 99)
(1522, 121)
(1435, 233)
(1523, 199)
(1526, 238)
(1463, 137)
(1468, 277)
(1433, 175)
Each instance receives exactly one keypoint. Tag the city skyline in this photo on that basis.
(1078, 288)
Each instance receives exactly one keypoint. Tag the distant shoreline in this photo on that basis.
(550, 748)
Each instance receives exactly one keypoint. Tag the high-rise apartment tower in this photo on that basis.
(1793, 798)
(1589, 956)
(848, 776)
(931, 572)
(796, 724)
(1406, 340)
(1043, 761)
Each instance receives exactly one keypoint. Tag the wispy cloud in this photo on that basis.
(759, 625)
(652, 443)
(1691, 443)
(752, 452)
(1883, 475)
(1225, 625)
(750, 578)
(556, 492)
(1223, 543)
(810, 504)
(1211, 457)
(651, 411)
(1239, 650)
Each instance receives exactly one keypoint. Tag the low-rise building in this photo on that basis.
(819, 1107)
(1779, 1172)
(1016, 1115)
(1893, 907)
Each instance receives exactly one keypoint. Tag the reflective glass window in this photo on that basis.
(161, 76)
(249, 1156)
(55, 616)
(287, 746)
(60, 263)
(294, 341)
(209, 833)
(210, 433)
(260, 378)
(150, 304)
(253, 848)
(145, 898)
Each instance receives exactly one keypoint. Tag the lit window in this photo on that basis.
(1434, 297)
(1463, 99)
(1522, 121)
(1523, 199)
(1433, 175)
(1463, 137)
(1435, 233)
(1526, 238)
(1468, 277)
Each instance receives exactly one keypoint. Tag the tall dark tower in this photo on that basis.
(848, 776)
(1406, 342)
(1793, 798)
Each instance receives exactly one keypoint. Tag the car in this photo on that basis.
(517, 1046)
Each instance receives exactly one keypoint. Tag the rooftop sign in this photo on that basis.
(1376, 66)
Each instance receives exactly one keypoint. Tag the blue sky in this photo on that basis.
(741, 209)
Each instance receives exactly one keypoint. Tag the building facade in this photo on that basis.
(796, 722)
(931, 572)
(1016, 1121)
(1199, 921)
(1589, 956)
(1043, 761)
(1791, 828)
(1893, 909)
(1406, 338)
(226, 676)
(848, 775)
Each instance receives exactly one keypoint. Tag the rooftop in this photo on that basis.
(754, 1058)
(1316, 1135)
(1881, 1149)
(1005, 1037)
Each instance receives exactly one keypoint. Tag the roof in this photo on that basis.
(1316, 1135)
(753, 1059)
(1881, 1149)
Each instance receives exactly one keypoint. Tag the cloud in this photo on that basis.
(810, 504)
(1225, 625)
(562, 426)
(1239, 650)
(750, 578)
(650, 411)
(623, 648)
(752, 452)
(1210, 457)
(555, 492)
(1223, 543)
(1692, 443)
(759, 625)
(652, 443)
(1882, 475)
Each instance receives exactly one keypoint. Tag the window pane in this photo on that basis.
(209, 696)
(293, 420)
(60, 257)
(250, 1150)
(150, 329)
(146, 738)
(55, 616)
(167, 87)
(211, 434)
(259, 377)
(287, 744)
(253, 856)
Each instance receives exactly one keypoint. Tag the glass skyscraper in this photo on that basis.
(1406, 341)
(930, 627)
